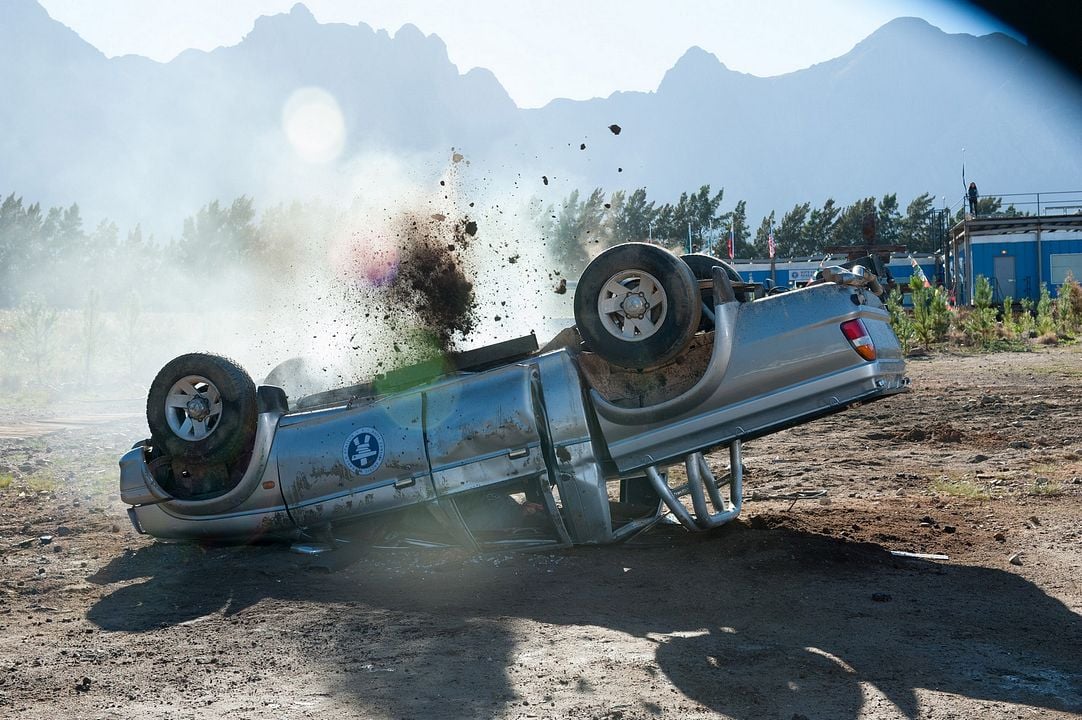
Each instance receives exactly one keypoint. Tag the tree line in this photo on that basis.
(51, 252)
(579, 224)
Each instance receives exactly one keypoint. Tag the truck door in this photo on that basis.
(346, 463)
(488, 448)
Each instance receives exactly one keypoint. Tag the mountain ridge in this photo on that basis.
(136, 139)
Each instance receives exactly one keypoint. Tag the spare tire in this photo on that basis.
(701, 267)
(701, 264)
(637, 305)
(203, 408)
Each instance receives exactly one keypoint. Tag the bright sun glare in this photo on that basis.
(314, 124)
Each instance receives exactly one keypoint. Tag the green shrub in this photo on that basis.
(931, 317)
(1010, 327)
(1046, 320)
(1027, 328)
(1069, 306)
(899, 320)
(980, 325)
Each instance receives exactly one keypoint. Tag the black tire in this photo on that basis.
(672, 321)
(233, 430)
(701, 267)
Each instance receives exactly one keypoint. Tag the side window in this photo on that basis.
(511, 514)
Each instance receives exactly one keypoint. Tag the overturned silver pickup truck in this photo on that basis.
(511, 446)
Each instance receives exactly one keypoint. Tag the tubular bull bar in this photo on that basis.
(700, 484)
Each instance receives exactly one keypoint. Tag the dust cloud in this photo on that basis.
(413, 264)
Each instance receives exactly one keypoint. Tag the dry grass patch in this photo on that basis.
(960, 487)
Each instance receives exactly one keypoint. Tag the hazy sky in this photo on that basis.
(541, 49)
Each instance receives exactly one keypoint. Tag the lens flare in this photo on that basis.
(366, 260)
(314, 124)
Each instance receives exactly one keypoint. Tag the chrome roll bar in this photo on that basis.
(701, 483)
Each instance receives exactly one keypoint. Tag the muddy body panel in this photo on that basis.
(354, 461)
(485, 429)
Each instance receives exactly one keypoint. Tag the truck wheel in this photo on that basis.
(202, 408)
(701, 266)
(637, 305)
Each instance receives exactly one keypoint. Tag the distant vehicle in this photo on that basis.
(511, 446)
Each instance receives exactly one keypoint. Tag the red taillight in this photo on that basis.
(858, 337)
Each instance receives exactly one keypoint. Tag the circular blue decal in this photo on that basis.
(364, 450)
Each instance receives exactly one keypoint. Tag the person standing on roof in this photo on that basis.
(973, 195)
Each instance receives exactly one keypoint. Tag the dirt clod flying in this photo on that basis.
(432, 282)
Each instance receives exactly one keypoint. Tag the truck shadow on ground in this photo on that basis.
(747, 622)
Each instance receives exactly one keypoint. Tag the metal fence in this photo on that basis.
(1056, 202)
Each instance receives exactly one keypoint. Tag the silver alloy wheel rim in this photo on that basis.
(632, 305)
(193, 408)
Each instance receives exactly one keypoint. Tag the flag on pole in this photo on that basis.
(919, 272)
(732, 243)
(770, 247)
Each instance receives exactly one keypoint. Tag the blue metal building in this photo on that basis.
(797, 271)
(1016, 254)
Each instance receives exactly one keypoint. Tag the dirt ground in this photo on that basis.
(796, 611)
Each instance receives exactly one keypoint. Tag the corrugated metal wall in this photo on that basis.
(1023, 248)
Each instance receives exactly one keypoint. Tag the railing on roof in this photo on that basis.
(1056, 202)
